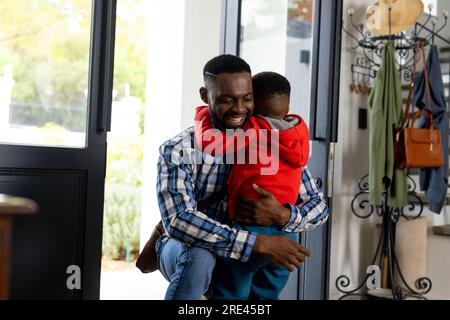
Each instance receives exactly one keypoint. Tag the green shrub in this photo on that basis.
(121, 220)
(122, 198)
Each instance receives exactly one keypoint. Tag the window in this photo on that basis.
(278, 36)
(44, 64)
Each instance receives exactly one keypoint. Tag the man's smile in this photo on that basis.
(235, 120)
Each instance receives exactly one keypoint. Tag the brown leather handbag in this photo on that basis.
(418, 147)
(147, 260)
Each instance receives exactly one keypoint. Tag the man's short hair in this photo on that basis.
(268, 84)
(225, 63)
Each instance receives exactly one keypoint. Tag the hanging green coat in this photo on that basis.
(386, 112)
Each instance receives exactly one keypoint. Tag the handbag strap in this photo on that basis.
(420, 48)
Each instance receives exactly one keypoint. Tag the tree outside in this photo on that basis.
(45, 45)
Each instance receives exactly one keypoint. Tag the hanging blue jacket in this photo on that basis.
(434, 181)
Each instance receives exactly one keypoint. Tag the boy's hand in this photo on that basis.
(266, 211)
(281, 250)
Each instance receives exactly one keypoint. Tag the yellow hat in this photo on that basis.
(404, 14)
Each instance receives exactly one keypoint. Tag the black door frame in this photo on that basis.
(101, 86)
(313, 276)
(90, 162)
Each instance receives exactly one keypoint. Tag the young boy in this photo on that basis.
(288, 148)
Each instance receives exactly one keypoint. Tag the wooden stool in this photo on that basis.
(9, 207)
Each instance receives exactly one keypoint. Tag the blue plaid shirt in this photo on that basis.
(186, 175)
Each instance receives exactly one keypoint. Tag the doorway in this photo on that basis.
(55, 61)
(157, 77)
(153, 99)
(298, 39)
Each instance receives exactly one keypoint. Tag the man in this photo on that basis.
(186, 253)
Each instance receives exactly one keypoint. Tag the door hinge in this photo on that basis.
(330, 172)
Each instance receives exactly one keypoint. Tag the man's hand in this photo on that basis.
(281, 250)
(266, 211)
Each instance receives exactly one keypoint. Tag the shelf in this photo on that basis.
(442, 230)
(383, 294)
(425, 200)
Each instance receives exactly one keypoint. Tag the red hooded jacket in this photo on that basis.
(276, 172)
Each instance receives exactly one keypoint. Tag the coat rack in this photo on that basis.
(372, 46)
(366, 68)
(385, 255)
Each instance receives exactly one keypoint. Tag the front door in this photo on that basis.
(300, 39)
(56, 62)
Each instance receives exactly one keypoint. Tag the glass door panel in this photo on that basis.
(278, 36)
(44, 72)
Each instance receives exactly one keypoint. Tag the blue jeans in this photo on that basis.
(188, 269)
(257, 279)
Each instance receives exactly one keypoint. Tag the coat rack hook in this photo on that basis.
(372, 44)
(434, 23)
(445, 15)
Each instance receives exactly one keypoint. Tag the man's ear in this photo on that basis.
(204, 95)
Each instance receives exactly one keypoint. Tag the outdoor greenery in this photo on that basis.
(124, 166)
(47, 42)
(122, 199)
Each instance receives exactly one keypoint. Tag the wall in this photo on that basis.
(182, 37)
(351, 238)
(201, 43)
(354, 240)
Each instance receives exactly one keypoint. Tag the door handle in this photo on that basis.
(330, 173)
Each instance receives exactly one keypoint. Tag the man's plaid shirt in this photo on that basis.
(186, 175)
